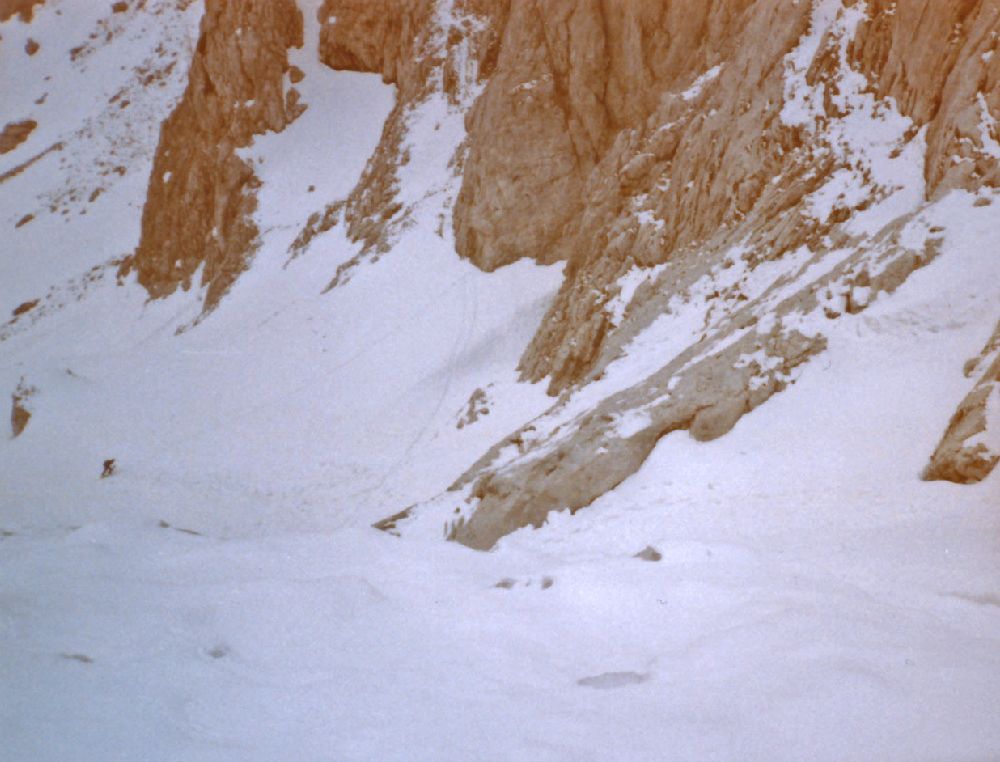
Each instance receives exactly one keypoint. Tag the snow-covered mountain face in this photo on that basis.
(687, 310)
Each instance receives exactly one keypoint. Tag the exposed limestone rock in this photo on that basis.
(16, 133)
(937, 60)
(555, 124)
(24, 8)
(20, 412)
(424, 47)
(25, 307)
(703, 163)
(376, 36)
(24, 165)
(594, 113)
(201, 193)
(970, 447)
(605, 138)
(577, 451)
(477, 406)
(19, 416)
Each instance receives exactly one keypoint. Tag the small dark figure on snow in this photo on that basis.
(109, 468)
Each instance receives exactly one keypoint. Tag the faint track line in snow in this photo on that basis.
(461, 343)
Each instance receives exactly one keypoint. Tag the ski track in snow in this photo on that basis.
(222, 597)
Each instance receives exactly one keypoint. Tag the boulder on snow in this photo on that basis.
(649, 553)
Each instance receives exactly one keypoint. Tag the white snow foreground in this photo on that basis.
(223, 597)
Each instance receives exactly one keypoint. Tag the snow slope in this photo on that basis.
(223, 597)
(98, 87)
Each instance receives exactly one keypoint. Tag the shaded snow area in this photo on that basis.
(791, 591)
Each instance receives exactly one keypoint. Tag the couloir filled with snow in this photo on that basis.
(223, 596)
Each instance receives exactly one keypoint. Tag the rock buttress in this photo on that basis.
(201, 194)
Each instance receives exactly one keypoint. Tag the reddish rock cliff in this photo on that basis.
(588, 120)
(936, 61)
(23, 8)
(201, 193)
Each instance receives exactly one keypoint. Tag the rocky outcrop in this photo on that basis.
(939, 63)
(201, 194)
(970, 447)
(16, 133)
(700, 160)
(377, 36)
(576, 452)
(394, 40)
(23, 8)
(20, 412)
(424, 47)
(574, 87)
(618, 112)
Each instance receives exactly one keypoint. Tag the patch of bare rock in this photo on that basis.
(967, 452)
(201, 194)
(20, 407)
(15, 133)
(643, 142)
(25, 9)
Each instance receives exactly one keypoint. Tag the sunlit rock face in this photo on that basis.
(197, 214)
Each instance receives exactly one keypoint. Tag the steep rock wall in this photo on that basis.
(767, 136)
(570, 78)
(604, 127)
(938, 62)
(201, 193)
(672, 179)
